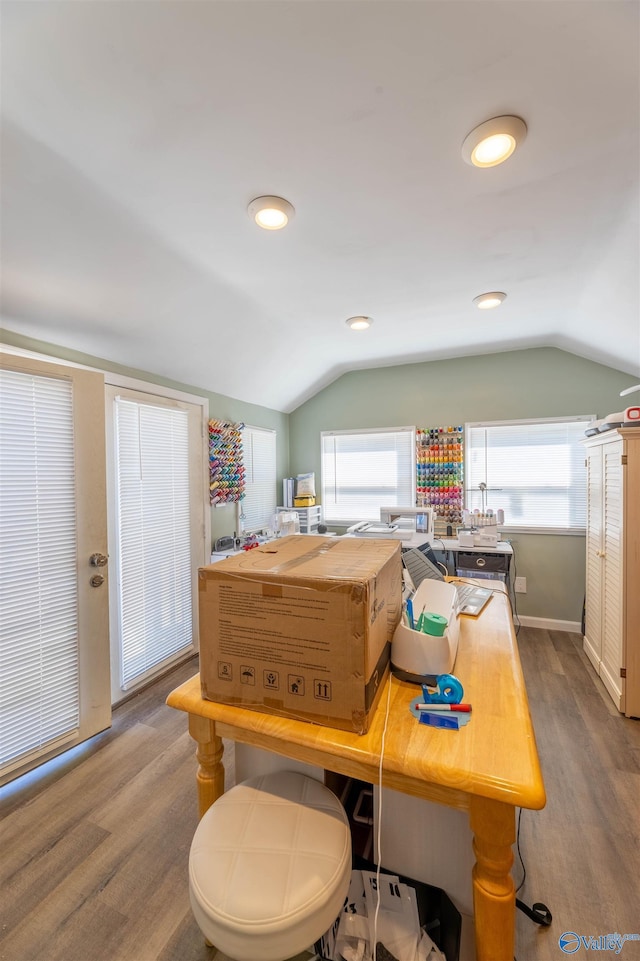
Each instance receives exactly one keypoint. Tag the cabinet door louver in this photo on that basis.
(612, 615)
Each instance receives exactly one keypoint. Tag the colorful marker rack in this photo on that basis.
(439, 465)
(226, 467)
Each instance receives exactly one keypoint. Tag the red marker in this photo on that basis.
(464, 708)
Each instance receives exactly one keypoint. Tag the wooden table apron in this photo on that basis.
(487, 768)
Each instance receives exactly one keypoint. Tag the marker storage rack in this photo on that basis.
(440, 466)
(226, 466)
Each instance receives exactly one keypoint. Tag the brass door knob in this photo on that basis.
(99, 560)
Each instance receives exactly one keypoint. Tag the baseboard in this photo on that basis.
(547, 624)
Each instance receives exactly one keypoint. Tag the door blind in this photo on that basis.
(39, 681)
(154, 545)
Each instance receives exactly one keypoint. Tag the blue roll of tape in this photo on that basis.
(450, 688)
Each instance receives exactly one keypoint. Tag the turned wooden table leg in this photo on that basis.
(494, 899)
(210, 775)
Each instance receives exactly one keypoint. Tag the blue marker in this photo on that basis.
(410, 614)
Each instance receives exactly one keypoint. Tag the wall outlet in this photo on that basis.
(520, 585)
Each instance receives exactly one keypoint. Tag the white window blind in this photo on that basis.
(154, 560)
(259, 453)
(39, 680)
(363, 471)
(533, 470)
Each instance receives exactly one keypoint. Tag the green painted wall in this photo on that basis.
(541, 382)
(223, 518)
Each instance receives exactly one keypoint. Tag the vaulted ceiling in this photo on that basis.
(135, 134)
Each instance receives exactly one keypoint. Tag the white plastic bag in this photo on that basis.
(396, 926)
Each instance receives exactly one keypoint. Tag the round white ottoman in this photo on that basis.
(270, 866)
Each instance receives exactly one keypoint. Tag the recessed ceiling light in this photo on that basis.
(493, 141)
(359, 323)
(492, 299)
(272, 213)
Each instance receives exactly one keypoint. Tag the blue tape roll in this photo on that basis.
(448, 691)
(450, 688)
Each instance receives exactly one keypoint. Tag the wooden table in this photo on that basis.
(487, 768)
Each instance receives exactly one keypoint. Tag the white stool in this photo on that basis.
(270, 866)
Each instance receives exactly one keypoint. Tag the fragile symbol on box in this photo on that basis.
(321, 689)
(296, 685)
(271, 679)
(247, 674)
(225, 670)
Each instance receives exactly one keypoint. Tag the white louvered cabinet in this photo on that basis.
(612, 612)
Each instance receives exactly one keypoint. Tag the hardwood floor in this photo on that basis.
(582, 851)
(94, 847)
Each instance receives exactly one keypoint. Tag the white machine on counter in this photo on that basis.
(411, 524)
(480, 528)
(414, 520)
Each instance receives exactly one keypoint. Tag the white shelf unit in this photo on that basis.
(309, 517)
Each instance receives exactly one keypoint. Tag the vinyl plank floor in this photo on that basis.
(582, 851)
(95, 846)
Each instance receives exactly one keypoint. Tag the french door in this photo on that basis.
(54, 610)
(157, 526)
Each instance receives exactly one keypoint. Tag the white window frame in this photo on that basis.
(257, 507)
(493, 497)
(329, 489)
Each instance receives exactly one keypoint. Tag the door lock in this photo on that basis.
(99, 560)
(97, 580)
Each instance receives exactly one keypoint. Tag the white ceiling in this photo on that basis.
(136, 133)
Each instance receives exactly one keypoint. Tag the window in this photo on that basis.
(259, 503)
(363, 471)
(533, 470)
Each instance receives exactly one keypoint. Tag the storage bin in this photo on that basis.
(438, 915)
(486, 575)
(309, 517)
(476, 562)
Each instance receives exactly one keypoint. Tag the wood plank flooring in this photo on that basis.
(582, 851)
(94, 847)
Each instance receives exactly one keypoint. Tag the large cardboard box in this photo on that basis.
(301, 627)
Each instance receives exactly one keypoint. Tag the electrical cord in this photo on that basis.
(538, 912)
(524, 870)
(514, 604)
(379, 831)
